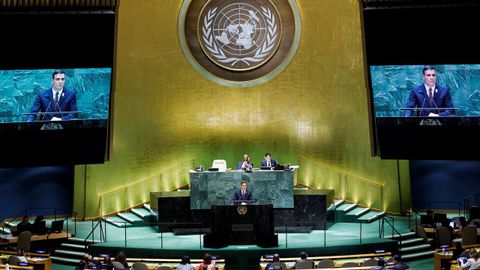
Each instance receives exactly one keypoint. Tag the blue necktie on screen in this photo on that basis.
(56, 97)
(430, 98)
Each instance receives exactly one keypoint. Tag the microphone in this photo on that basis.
(423, 104)
(45, 113)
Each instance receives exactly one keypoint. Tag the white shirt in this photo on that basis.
(54, 92)
(428, 90)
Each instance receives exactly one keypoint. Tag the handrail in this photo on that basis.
(103, 231)
(382, 233)
(92, 232)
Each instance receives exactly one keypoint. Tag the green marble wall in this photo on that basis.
(218, 188)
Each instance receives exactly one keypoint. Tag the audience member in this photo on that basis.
(304, 260)
(473, 262)
(39, 225)
(207, 262)
(122, 258)
(24, 221)
(398, 264)
(185, 264)
(462, 223)
(276, 264)
(107, 263)
(91, 261)
(381, 265)
(82, 265)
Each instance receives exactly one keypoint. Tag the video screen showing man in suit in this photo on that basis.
(243, 196)
(430, 99)
(58, 99)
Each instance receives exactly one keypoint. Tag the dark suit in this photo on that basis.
(273, 163)
(44, 102)
(419, 98)
(239, 197)
(239, 165)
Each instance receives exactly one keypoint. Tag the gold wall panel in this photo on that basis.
(168, 117)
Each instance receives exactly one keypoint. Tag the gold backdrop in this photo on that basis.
(169, 118)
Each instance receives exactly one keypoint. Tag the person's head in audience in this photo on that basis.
(82, 265)
(398, 263)
(276, 258)
(303, 255)
(25, 220)
(185, 260)
(207, 259)
(462, 222)
(381, 262)
(38, 219)
(122, 258)
(474, 254)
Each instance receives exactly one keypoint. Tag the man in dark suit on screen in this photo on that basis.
(429, 98)
(58, 100)
(243, 196)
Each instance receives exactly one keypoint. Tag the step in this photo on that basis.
(73, 246)
(69, 253)
(64, 260)
(14, 223)
(5, 230)
(372, 216)
(338, 203)
(377, 217)
(131, 217)
(412, 241)
(417, 255)
(414, 248)
(346, 207)
(118, 222)
(401, 236)
(357, 212)
(147, 206)
(82, 241)
(141, 212)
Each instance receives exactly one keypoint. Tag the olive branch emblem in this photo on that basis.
(219, 54)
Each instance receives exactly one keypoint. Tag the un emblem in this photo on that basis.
(240, 36)
(239, 43)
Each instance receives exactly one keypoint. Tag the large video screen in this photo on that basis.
(29, 95)
(423, 79)
(401, 90)
(56, 84)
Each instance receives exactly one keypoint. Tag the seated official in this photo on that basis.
(268, 161)
(245, 164)
(243, 196)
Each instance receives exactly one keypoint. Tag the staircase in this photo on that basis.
(137, 217)
(347, 212)
(412, 247)
(71, 251)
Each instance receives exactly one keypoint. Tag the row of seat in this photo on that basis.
(444, 236)
(343, 261)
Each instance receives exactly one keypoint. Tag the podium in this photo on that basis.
(241, 225)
